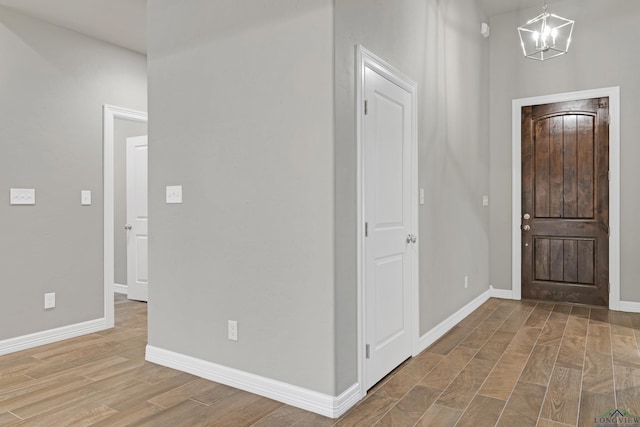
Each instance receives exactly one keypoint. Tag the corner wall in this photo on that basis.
(241, 115)
(54, 83)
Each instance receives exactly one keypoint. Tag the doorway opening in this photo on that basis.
(113, 115)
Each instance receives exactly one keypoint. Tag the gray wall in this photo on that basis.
(603, 53)
(54, 83)
(241, 113)
(437, 44)
(123, 129)
(242, 116)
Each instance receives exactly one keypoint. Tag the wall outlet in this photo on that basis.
(233, 330)
(466, 282)
(49, 300)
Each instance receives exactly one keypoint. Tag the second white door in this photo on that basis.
(137, 219)
(389, 240)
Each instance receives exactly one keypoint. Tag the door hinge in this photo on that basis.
(609, 175)
(366, 107)
(366, 350)
(366, 229)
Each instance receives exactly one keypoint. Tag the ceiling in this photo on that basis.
(497, 7)
(120, 22)
(123, 22)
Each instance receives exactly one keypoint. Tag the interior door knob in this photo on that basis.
(128, 227)
(526, 227)
(411, 238)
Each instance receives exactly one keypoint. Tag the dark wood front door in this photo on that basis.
(565, 201)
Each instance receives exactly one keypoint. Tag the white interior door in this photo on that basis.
(387, 163)
(137, 218)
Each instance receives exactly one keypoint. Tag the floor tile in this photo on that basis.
(540, 365)
(482, 412)
(412, 406)
(440, 416)
(563, 397)
(463, 388)
(504, 376)
(523, 406)
(444, 372)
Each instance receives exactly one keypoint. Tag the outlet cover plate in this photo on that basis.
(22, 196)
(85, 198)
(49, 300)
(174, 194)
(233, 330)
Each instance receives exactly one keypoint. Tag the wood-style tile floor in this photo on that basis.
(509, 363)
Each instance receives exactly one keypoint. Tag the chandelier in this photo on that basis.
(545, 36)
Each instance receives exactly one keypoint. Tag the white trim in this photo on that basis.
(25, 342)
(500, 293)
(365, 58)
(120, 289)
(445, 326)
(629, 306)
(320, 403)
(109, 114)
(614, 184)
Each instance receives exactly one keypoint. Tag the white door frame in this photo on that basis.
(614, 184)
(364, 58)
(109, 114)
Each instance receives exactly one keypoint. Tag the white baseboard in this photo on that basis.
(320, 403)
(629, 306)
(500, 293)
(120, 289)
(36, 339)
(443, 327)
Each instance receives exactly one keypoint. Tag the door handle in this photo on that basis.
(526, 227)
(128, 227)
(411, 238)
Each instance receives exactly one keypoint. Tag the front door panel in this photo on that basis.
(565, 202)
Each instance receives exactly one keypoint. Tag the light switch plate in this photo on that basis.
(22, 196)
(233, 330)
(485, 201)
(422, 196)
(85, 198)
(174, 193)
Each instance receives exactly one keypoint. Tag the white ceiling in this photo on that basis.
(496, 7)
(123, 22)
(120, 22)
